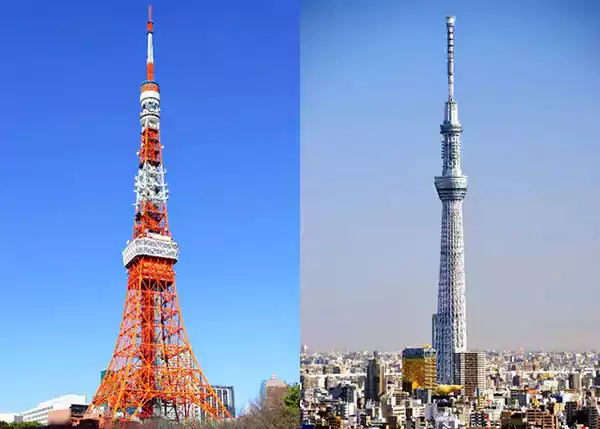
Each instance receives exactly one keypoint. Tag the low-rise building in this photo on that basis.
(40, 413)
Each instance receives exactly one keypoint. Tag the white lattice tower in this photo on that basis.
(451, 186)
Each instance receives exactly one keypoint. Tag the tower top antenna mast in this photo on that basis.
(150, 56)
(450, 36)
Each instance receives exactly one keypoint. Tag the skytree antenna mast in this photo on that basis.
(451, 186)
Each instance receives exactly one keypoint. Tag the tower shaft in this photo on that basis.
(153, 371)
(451, 331)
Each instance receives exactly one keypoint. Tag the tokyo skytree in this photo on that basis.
(450, 320)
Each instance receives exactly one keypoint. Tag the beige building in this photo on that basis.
(275, 390)
(536, 418)
(469, 372)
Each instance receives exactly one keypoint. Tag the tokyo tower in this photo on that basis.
(153, 371)
(451, 321)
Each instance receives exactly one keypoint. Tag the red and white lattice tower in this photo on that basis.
(153, 371)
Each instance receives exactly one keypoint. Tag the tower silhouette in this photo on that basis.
(450, 321)
(153, 371)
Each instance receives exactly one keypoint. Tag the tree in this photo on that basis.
(260, 416)
(280, 415)
(292, 398)
(19, 425)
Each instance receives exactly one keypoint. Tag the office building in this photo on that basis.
(375, 382)
(540, 419)
(469, 372)
(592, 416)
(226, 396)
(40, 413)
(418, 368)
(263, 389)
(575, 381)
(571, 412)
(67, 416)
(275, 390)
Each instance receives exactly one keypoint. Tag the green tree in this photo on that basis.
(259, 416)
(23, 425)
(292, 397)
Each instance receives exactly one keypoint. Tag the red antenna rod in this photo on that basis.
(150, 57)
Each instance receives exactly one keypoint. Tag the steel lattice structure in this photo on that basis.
(153, 371)
(450, 321)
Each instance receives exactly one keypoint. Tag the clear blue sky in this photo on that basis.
(373, 87)
(70, 78)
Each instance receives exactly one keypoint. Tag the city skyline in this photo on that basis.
(408, 346)
(366, 390)
(372, 80)
(233, 203)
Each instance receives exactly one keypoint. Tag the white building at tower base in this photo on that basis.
(40, 413)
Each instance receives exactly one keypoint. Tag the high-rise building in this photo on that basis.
(265, 383)
(575, 381)
(592, 416)
(451, 186)
(275, 390)
(375, 382)
(570, 412)
(469, 370)
(227, 398)
(263, 389)
(103, 374)
(348, 393)
(516, 381)
(418, 368)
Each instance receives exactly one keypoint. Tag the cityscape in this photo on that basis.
(503, 389)
(443, 383)
(71, 409)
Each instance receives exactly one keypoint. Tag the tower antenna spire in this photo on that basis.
(450, 44)
(150, 56)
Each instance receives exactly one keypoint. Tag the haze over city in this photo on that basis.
(372, 94)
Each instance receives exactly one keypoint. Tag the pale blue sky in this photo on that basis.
(373, 87)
